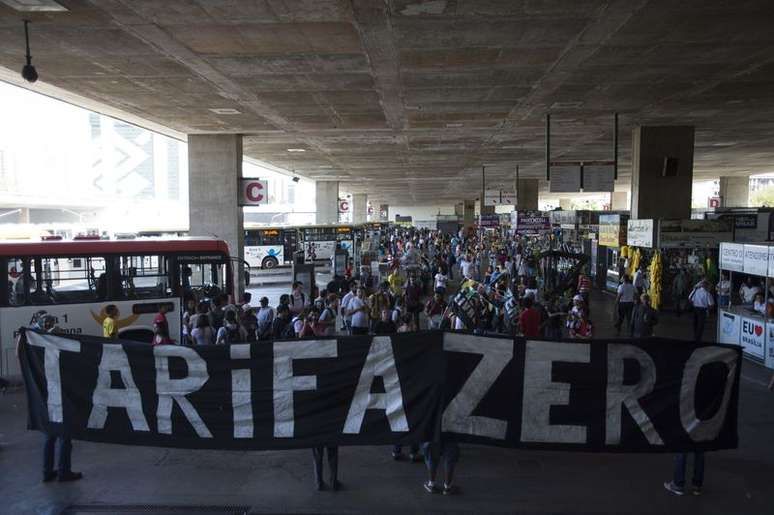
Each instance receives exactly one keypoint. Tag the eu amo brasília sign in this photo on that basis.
(253, 192)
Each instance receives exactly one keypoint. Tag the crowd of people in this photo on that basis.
(481, 283)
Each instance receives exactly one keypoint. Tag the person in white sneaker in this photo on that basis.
(677, 485)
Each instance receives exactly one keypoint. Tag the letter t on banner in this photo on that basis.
(241, 394)
(285, 383)
(53, 345)
(114, 359)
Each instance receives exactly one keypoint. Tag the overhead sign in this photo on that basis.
(756, 260)
(253, 192)
(507, 198)
(363, 390)
(694, 233)
(489, 221)
(492, 197)
(530, 222)
(343, 205)
(598, 178)
(713, 202)
(640, 233)
(565, 179)
(731, 257)
(746, 221)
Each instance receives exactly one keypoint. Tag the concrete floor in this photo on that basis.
(491, 479)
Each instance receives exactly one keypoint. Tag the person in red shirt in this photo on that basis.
(161, 327)
(529, 319)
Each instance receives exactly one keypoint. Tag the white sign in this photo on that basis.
(565, 179)
(756, 260)
(254, 192)
(729, 325)
(752, 337)
(639, 233)
(507, 198)
(598, 178)
(731, 257)
(492, 197)
(769, 345)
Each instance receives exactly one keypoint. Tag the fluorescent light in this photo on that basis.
(454, 125)
(296, 150)
(224, 110)
(34, 5)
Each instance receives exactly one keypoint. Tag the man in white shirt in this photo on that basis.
(358, 309)
(625, 302)
(466, 267)
(702, 300)
(639, 280)
(351, 294)
(748, 291)
(440, 281)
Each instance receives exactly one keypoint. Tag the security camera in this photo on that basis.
(29, 73)
(296, 179)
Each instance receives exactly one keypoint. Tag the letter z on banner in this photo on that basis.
(654, 395)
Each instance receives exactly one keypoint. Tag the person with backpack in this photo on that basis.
(297, 299)
(230, 331)
(326, 322)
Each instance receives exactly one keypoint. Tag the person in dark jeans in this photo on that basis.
(64, 471)
(447, 451)
(625, 303)
(333, 467)
(677, 485)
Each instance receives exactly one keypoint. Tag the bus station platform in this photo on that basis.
(123, 479)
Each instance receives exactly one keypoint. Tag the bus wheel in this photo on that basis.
(269, 263)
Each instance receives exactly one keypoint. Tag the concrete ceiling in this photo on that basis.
(406, 99)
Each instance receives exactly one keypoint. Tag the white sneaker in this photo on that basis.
(672, 487)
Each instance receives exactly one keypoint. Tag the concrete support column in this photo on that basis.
(468, 212)
(384, 210)
(214, 170)
(327, 201)
(359, 208)
(662, 172)
(527, 193)
(619, 201)
(24, 215)
(734, 191)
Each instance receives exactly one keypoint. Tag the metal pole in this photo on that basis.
(548, 147)
(615, 146)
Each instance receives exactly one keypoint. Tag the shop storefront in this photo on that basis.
(750, 325)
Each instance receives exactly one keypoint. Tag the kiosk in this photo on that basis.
(739, 323)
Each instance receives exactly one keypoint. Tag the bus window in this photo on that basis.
(204, 279)
(145, 277)
(22, 283)
(62, 280)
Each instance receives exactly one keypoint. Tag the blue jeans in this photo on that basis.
(65, 455)
(681, 461)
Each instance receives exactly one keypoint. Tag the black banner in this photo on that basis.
(654, 395)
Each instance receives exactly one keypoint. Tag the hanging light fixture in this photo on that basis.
(29, 73)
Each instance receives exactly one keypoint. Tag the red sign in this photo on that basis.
(343, 206)
(713, 202)
(254, 192)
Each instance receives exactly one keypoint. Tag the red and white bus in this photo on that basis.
(75, 280)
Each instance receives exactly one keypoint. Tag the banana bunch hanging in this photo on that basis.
(654, 271)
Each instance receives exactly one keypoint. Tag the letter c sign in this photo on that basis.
(254, 192)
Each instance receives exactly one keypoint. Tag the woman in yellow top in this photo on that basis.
(396, 282)
(109, 326)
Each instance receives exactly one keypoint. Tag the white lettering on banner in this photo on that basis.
(114, 359)
(629, 395)
(380, 362)
(756, 260)
(752, 337)
(705, 430)
(457, 417)
(52, 346)
(241, 393)
(171, 390)
(285, 383)
(771, 261)
(540, 392)
(732, 257)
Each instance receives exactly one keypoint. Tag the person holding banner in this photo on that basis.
(677, 485)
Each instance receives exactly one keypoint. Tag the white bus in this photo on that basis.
(76, 280)
(270, 247)
(319, 241)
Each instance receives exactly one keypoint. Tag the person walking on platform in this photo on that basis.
(702, 300)
(624, 302)
(644, 318)
(677, 484)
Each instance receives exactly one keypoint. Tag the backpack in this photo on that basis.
(232, 334)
